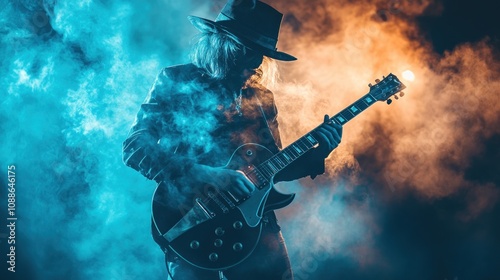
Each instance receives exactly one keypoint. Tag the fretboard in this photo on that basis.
(292, 152)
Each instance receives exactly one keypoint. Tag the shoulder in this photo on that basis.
(176, 80)
(180, 73)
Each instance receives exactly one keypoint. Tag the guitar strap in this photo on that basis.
(269, 218)
(261, 109)
(221, 275)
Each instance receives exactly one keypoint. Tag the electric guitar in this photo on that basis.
(218, 230)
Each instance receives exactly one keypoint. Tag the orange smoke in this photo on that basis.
(420, 143)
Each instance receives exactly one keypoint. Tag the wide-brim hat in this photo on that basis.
(255, 23)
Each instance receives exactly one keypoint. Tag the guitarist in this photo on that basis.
(197, 114)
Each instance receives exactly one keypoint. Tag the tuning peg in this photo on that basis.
(396, 97)
(377, 81)
(401, 94)
(389, 101)
(370, 85)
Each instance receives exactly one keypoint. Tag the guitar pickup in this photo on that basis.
(227, 199)
(257, 179)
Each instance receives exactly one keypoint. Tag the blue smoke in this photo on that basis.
(73, 76)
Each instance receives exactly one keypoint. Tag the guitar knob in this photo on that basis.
(237, 225)
(213, 257)
(401, 94)
(219, 231)
(377, 81)
(396, 97)
(237, 246)
(218, 242)
(194, 244)
(389, 101)
(370, 85)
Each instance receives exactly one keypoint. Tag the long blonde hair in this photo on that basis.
(216, 52)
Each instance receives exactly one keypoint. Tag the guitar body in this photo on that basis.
(217, 231)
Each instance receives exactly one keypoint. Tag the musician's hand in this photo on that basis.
(329, 135)
(234, 181)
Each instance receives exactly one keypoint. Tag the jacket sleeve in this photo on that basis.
(306, 165)
(145, 149)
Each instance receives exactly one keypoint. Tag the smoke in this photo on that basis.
(452, 100)
(75, 72)
(421, 145)
(74, 75)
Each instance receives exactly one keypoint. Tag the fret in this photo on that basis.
(369, 99)
(277, 162)
(340, 119)
(345, 116)
(294, 151)
(348, 111)
(271, 165)
(280, 161)
(301, 145)
(361, 105)
(354, 110)
(286, 156)
(306, 143)
(297, 148)
(291, 152)
(269, 170)
(362, 100)
(266, 171)
(311, 139)
(282, 158)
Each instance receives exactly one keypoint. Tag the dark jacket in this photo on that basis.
(190, 118)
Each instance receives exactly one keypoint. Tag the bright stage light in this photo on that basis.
(408, 75)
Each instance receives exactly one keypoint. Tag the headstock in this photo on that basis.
(389, 86)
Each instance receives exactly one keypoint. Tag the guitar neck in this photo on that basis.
(294, 151)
